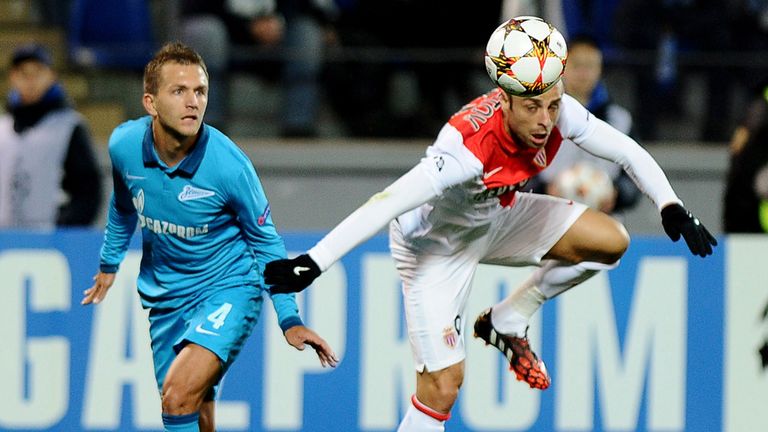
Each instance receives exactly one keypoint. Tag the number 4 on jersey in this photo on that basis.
(219, 315)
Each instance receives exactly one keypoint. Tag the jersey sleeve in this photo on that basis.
(603, 140)
(250, 204)
(447, 163)
(121, 221)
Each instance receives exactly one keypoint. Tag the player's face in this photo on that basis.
(583, 70)
(530, 120)
(31, 79)
(181, 99)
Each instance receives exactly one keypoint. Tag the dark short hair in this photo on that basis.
(584, 39)
(31, 52)
(173, 52)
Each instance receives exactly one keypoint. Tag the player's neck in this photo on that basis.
(171, 148)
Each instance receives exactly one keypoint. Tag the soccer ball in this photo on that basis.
(525, 56)
(586, 184)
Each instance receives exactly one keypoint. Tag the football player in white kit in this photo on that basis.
(460, 206)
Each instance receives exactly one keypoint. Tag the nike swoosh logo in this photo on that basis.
(133, 177)
(200, 329)
(492, 172)
(298, 269)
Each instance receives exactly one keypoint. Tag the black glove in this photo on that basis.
(291, 275)
(677, 220)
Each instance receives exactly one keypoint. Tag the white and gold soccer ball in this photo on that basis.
(586, 184)
(526, 56)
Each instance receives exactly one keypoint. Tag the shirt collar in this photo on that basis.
(189, 164)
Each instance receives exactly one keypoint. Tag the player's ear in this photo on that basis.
(506, 100)
(149, 104)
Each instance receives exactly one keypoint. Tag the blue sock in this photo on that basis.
(181, 423)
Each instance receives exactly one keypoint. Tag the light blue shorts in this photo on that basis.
(220, 322)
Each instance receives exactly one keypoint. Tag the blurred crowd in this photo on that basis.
(400, 68)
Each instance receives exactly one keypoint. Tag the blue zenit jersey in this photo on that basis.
(205, 222)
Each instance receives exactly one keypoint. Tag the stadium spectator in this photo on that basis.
(424, 74)
(48, 172)
(214, 28)
(298, 27)
(460, 207)
(309, 27)
(206, 229)
(659, 82)
(583, 81)
(743, 202)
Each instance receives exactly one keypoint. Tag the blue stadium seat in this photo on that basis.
(111, 34)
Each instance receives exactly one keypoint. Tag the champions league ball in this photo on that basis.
(525, 56)
(586, 184)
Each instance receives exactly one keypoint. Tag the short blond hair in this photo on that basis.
(172, 52)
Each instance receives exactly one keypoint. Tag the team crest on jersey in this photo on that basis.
(452, 333)
(541, 158)
(450, 337)
(190, 193)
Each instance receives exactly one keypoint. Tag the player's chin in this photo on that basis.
(537, 141)
(188, 127)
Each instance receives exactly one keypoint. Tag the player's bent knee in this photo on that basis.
(176, 400)
(620, 243)
(612, 242)
(594, 237)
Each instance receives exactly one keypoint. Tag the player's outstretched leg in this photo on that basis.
(522, 360)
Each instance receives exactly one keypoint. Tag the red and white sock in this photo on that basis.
(421, 418)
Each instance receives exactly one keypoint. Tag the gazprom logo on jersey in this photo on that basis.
(158, 226)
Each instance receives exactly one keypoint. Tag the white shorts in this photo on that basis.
(436, 287)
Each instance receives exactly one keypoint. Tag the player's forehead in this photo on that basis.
(553, 95)
(178, 74)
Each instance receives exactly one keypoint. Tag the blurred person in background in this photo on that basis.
(299, 28)
(310, 27)
(605, 186)
(422, 73)
(49, 175)
(213, 28)
(745, 208)
(667, 29)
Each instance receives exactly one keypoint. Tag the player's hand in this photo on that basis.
(291, 275)
(678, 221)
(300, 336)
(101, 284)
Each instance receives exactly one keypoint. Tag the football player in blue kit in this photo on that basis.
(207, 233)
